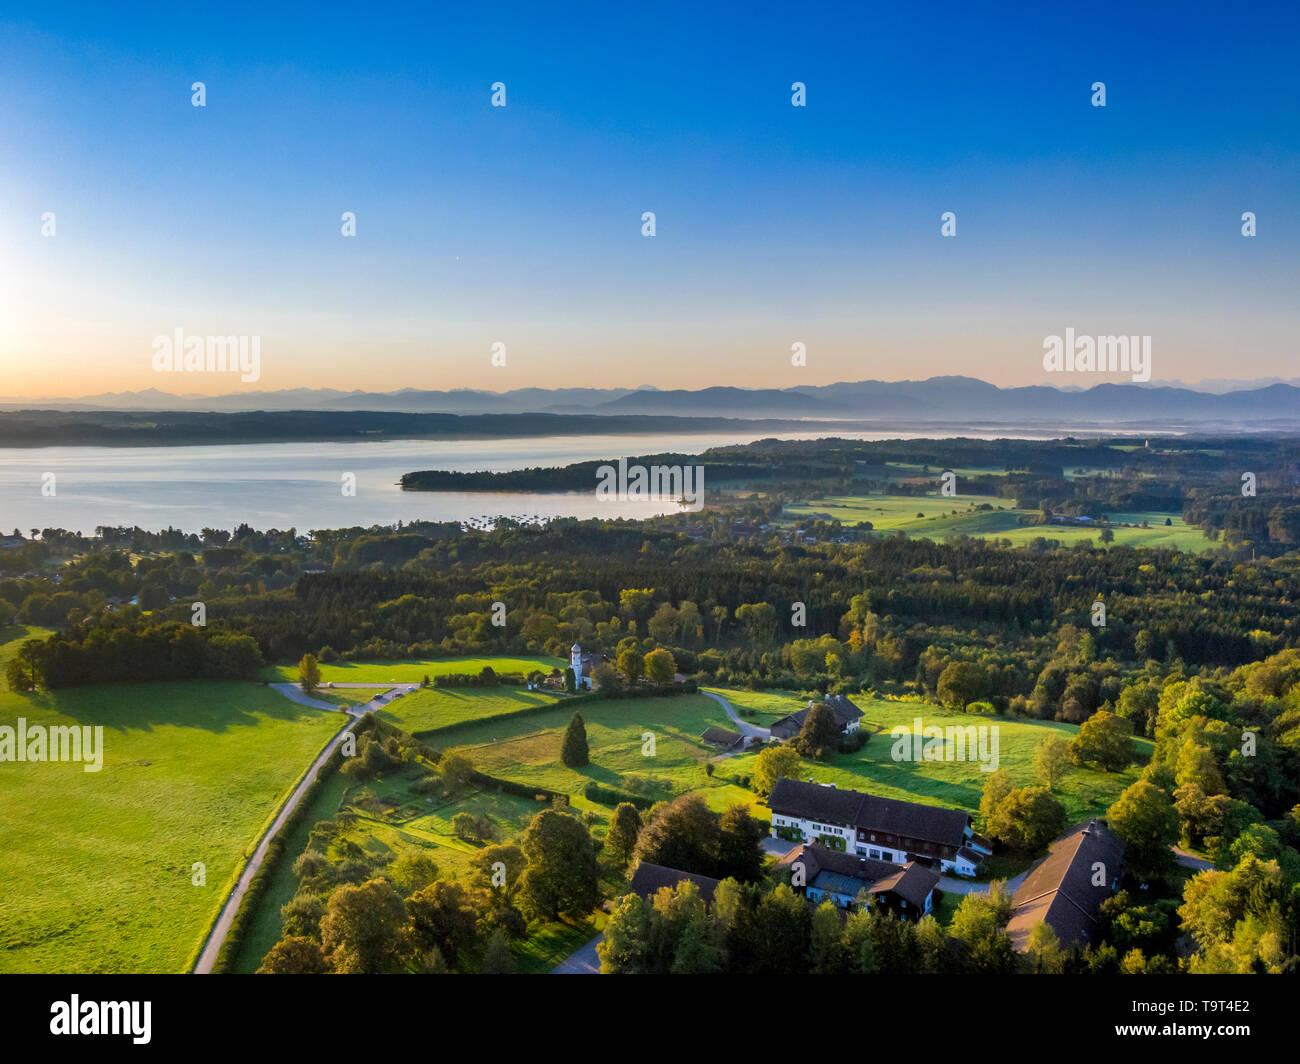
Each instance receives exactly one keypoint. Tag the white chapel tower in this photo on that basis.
(575, 663)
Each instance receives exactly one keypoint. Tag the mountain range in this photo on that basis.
(937, 399)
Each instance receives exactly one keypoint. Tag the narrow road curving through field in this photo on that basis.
(294, 692)
(746, 729)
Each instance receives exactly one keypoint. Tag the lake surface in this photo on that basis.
(298, 485)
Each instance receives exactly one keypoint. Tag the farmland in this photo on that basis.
(437, 707)
(410, 670)
(97, 866)
(1083, 792)
(939, 517)
(528, 749)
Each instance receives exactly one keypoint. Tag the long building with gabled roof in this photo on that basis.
(1081, 870)
(878, 829)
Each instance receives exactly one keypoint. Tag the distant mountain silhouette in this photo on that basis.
(965, 400)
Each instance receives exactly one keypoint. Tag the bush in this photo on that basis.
(486, 678)
(596, 792)
(854, 741)
(690, 687)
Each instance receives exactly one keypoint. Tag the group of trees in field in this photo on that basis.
(168, 651)
(352, 915)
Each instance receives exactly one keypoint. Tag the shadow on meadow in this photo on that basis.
(215, 706)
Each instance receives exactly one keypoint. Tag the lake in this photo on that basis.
(298, 485)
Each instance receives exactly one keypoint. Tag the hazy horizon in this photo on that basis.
(1207, 386)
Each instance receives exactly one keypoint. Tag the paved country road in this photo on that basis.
(953, 885)
(1190, 860)
(294, 692)
(583, 962)
(746, 729)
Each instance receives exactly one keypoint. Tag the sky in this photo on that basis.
(522, 225)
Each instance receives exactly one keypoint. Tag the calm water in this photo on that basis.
(298, 485)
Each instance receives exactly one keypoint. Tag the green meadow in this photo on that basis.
(762, 708)
(97, 866)
(347, 696)
(1084, 792)
(434, 707)
(409, 670)
(618, 733)
(938, 517)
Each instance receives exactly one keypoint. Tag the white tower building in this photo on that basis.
(575, 663)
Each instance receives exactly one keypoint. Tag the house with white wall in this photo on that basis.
(878, 829)
(844, 879)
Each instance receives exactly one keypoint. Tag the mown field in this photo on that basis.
(389, 819)
(761, 708)
(96, 867)
(13, 636)
(899, 513)
(409, 670)
(347, 696)
(528, 749)
(433, 707)
(1083, 792)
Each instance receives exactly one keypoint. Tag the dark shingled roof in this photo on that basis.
(1060, 890)
(812, 801)
(845, 714)
(845, 710)
(913, 883)
(915, 821)
(648, 878)
(823, 859)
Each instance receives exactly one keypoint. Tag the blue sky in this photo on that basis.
(522, 224)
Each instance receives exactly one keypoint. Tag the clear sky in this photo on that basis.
(775, 224)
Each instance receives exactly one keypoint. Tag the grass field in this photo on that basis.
(433, 707)
(347, 696)
(264, 931)
(96, 867)
(762, 707)
(528, 749)
(898, 513)
(408, 671)
(1083, 792)
(12, 638)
